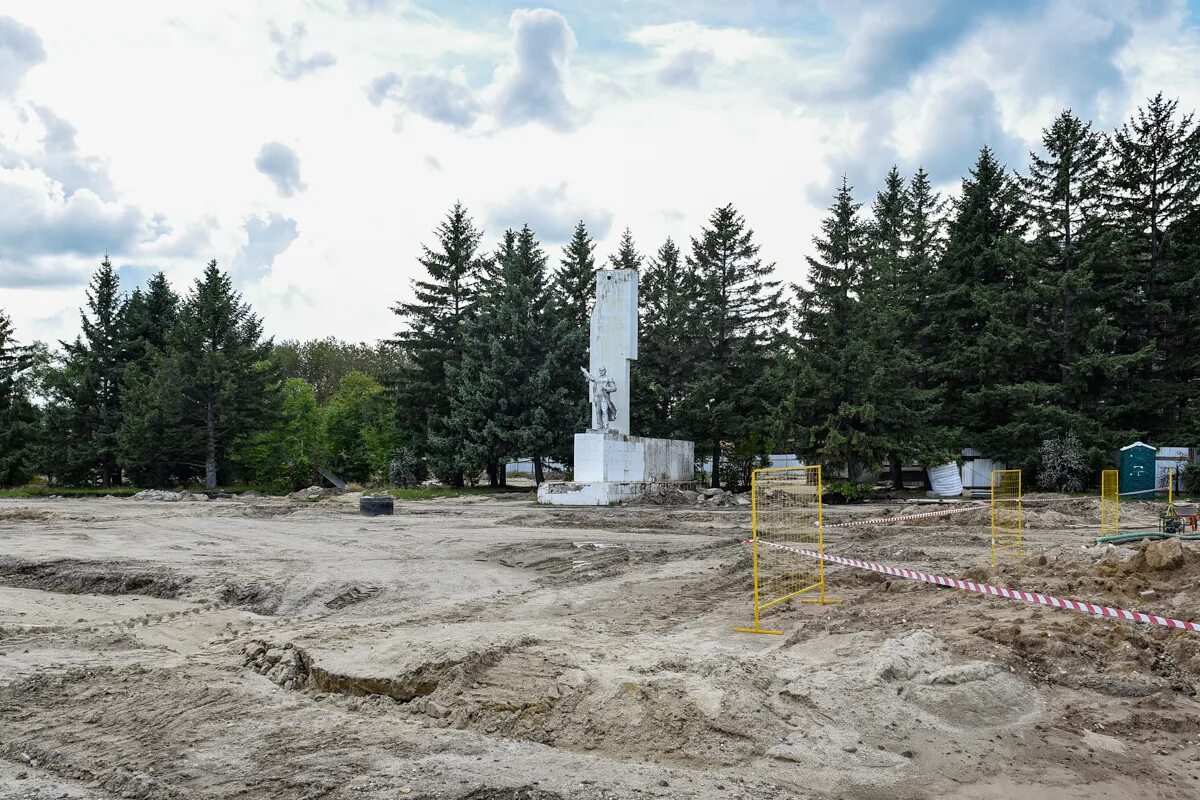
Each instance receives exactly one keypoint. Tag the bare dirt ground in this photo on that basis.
(492, 649)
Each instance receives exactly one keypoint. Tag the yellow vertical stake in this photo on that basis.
(1110, 502)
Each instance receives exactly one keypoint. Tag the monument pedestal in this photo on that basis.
(611, 467)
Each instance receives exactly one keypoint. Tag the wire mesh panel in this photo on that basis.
(1110, 516)
(785, 509)
(1006, 513)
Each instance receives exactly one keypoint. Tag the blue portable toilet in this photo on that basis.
(1137, 469)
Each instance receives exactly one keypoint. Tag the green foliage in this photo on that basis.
(323, 363)
(229, 385)
(433, 340)
(18, 416)
(836, 493)
(360, 430)
(573, 294)
(505, 391)
(627, 256)
(661, 373)
(84, 413)
(735, 324)
(287, 455)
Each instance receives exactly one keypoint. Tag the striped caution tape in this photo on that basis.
(921, 515)
(995, 591)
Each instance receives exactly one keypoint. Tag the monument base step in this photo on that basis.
(603, 493)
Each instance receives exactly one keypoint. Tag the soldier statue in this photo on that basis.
(601, 387)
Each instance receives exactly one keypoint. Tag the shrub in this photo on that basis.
(837, 493)
(1064, 464)
(406, 470)
(1191, 479)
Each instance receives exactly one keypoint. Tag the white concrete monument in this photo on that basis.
(611, 465)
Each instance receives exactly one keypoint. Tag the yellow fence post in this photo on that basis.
(1007, 524)
(786, 509)
(1110, 503)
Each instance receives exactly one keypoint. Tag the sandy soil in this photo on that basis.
(495, 650)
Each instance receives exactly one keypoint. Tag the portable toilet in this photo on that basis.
(1137, 469)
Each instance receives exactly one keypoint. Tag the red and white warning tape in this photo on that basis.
(921, 515)
(996, 591)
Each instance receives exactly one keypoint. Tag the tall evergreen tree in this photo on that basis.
(665, 359)
(988, 322)
(504, 389)
(432, 339)
(159, 444)
(1155, 190)
(924, 243)
(1076, 254)
(739, 315)
(153, 442)
(83, 441)
(884, 340)
(830, 422)
(627, 256)
(573, 295)
(230, 385)
(18, 417)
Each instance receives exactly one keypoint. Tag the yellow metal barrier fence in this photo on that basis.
(785, 508)
(1006, 513)
(1110, 503)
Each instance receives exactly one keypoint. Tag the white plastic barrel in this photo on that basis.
(946, 480)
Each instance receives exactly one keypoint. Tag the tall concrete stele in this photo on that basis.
(611, 465)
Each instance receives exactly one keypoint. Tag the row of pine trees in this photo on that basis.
(1038, 303)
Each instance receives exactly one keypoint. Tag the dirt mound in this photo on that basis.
(1114, 657)
(260, 598)
(351, 595)
(314, 493)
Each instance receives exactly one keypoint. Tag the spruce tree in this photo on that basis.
(573, 294)
(830, 418)
(665, 360)
(471, 440)
(149, 317)
(88, 392)
(230, 386)
(160, 445)
(504, 389)
(884, 340)
(738, 316)
(1076, 254)
(18, 417)
(627, 256)
(1155, 191)
(153, 442)
(988, 322)
(432, 339)
(924, 243)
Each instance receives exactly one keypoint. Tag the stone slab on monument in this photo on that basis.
(610, 465)
(606, 456)
(601, 493)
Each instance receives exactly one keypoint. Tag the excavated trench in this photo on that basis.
(69, 576)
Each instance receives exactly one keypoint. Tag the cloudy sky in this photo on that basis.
(310, 147)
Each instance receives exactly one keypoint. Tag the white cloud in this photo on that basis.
(281, 164)
(290, 61)
(523, 117)
(20, 50)
(533, 87)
